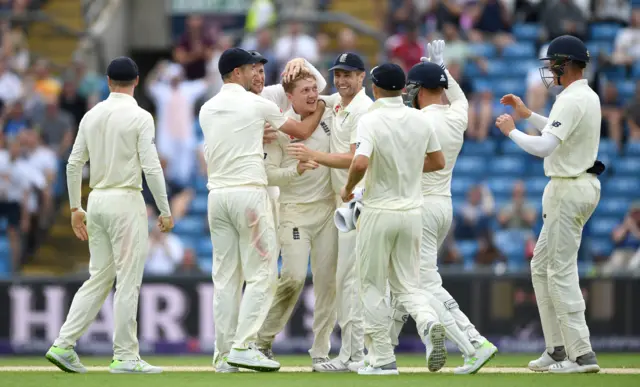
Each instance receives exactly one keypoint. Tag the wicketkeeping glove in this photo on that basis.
(436, 52)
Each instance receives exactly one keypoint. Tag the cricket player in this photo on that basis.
(118, 137)
(239, 210)
(348, 105)
(425, 84)
(395, 144)
(307, 204)
(569, 145)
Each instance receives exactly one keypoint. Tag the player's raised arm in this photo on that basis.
(150, 164)
(454, 92)
(77, 159)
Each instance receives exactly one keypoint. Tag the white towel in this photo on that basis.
(345, 218)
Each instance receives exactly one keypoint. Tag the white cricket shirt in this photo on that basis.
(344, 130)
(118, 137)
(233, 126)
(450, 123)
(395, 138)
(575, 119)
(312, 185)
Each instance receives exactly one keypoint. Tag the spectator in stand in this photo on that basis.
(564, 17)
(189, 265)
(72, 102)
(632, 116)
(449, 253)
(57, 128)
(528, 11)
(448, 12)
(491, 22)
(627, 44)
(11, 89)
(402, 13)
(296, 44)
(13, 45)
(612, 109)
(166, 252)
(45, 161)
(214, 78)
(47, 86)
(91, 86)
(537, 92)
(475, 214)
(15, 120)
(612, 11)
(406, 48)
(263, 43)
(195, 49)
(626, 237)
(488, 253)
(518, 214)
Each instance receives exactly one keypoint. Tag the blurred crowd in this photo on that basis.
(40, 113)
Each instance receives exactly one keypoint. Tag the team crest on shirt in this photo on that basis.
(337, 108)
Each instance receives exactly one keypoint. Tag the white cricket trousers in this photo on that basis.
(118, 242)
(349, 304)
(567, 204)
(306, 228)
(245, 250)
(388, 247)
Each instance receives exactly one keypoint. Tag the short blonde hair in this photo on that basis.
(290, 85)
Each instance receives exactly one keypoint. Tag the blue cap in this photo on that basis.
(235, 57)
(122, 69)
(257, 55)
(388, 76)
(348, 61)
(428, 75)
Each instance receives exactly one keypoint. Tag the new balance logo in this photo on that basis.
(296, 234)
(451, 304)
(265, 156)
(555, 124)
(442, 78)
(325, 127)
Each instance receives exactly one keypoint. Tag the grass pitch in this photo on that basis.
(505, 370)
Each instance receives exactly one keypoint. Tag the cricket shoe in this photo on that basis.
(354, 366)
(267, 352)
(485, 351)
(585, 364)
(546, 360)
(327, 365)
(65, 359)
(435, 342)
(223, 367)
(252, 359)
(387, 369)
(133, 367)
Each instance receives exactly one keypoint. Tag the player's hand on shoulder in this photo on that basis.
(506, 124)
(270, 134)
(436, 52)
(306, 166)
(516, 103)
(299, 152)
(165, 223)
(79, 225)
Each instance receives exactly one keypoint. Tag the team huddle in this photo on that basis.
(283, 162)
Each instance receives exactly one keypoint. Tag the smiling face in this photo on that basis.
(348, 83)
(303, 94)
(257, 84)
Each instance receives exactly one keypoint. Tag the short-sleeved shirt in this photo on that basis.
(575, 119)
(233, 126)
(344, 130)
(395, 138)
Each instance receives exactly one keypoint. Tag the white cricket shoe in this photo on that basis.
(571, 367)
(252, 359)
(335, 365)
(224, 368)
(388, 369)
(484, 353)
(65, 359)
(354, 366)
(133, 367)
(436, 349)
(542, 363)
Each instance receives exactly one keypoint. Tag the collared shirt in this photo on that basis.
(118, 137)
(345, 129)
(450, 123)
(575, 120)
(312, 185)
(233, 126)
(395, 138)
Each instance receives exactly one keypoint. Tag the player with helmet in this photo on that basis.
(569, 145)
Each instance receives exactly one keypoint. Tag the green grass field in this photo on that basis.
(196, 371)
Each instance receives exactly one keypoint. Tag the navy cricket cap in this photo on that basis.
(233, 58)
(388, 76)
(428, 75)
(122, 69)
(257, 55)
(348, 62)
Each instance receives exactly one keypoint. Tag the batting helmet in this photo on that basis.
(561, 51)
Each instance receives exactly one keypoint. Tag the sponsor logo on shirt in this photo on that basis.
(325, 127)
(265, 155)
(357, 145)
(296, 234)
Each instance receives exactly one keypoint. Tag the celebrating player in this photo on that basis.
(569, 146)
(348, 105)
(240, 215)
(118, 137)
(425, 84)
(307, 204)
(394, 140)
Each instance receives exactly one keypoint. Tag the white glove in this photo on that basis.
(436, 52)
